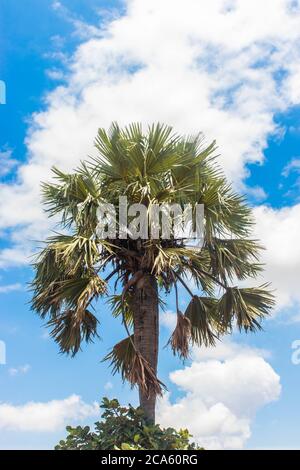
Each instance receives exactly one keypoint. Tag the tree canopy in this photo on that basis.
(74, 267)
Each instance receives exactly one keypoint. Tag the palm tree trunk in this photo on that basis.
(145, 313)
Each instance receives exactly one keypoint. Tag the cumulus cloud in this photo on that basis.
(222, 390)
(222, 69)
(7, 162)
(279, 229)
(45, 416)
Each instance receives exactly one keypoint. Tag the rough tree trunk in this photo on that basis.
(145, 311)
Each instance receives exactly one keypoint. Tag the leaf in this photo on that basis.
(247, 306)
(117, 306)
(125, 446)
(71, 327)
(234, 258)
(179, 340)
(133, 367)
(198, 313)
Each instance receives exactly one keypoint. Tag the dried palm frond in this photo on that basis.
(179, 340)
(134, 368)
(142, 374)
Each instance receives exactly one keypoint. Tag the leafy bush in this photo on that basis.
(124, 428)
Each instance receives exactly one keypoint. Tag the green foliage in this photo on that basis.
(124, 428)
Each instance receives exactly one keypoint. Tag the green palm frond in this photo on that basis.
(119, 308)
(71, 292)
(71, 328)
(73, 251)
(225, 211)
(75, 197)
(234, 258)
(197, 266)
(199, 313)
(246, 306)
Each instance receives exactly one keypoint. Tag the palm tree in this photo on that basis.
(73, 268)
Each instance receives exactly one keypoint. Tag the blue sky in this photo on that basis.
(74, 65)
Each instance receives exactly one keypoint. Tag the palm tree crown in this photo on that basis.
(73, 269)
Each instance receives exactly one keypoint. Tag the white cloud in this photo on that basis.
(257, 192)
(2, 353)
(7, 163)
(82, 29)
(227, 349)
(293, 165)
(56, 5)
(10, 288)
(55, 74)
(45, 417)
(168, 319)
(20, 370)
(213, 69)
(223, 389)
(278, 230)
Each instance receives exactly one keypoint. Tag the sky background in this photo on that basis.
(76, 65)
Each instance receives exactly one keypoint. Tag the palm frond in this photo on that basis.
(180, 338)
(124, 359)
(72, 327)
(234, 258)
(246, 306)
(199, 314)
(75, 197)
(119, 307)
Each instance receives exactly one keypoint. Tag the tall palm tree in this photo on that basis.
(74, 268)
